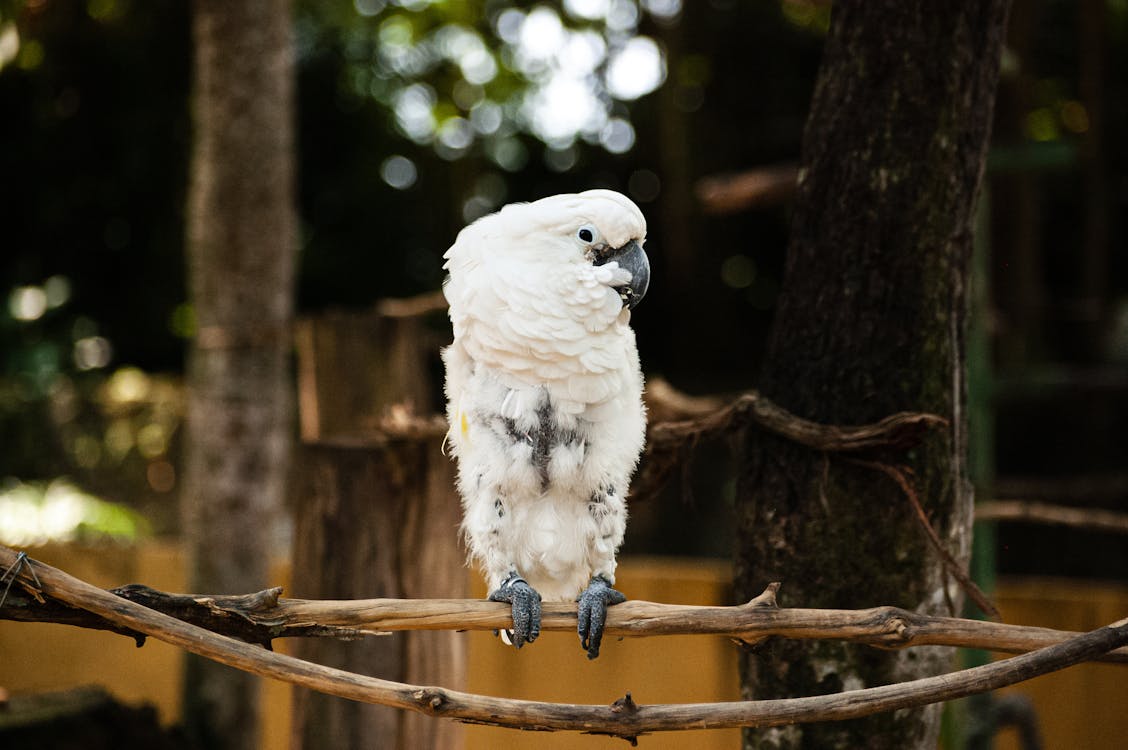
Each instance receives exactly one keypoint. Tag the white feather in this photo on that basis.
(541, 334)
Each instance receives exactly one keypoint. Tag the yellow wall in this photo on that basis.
(1080, 707)
(40, 657)
(674, 669)
(36, 657)
(1085, 706)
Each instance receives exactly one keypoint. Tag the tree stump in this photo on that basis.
(377, 517)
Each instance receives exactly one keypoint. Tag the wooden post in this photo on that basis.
(377, 516)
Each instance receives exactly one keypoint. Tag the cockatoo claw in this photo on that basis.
(592, 613)
(526, 609)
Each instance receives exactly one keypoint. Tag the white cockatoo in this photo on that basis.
(544, 397)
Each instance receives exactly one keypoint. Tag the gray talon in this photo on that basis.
(526, 609)
(592, 614)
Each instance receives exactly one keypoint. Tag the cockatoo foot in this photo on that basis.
(526, 609)
(592, 614)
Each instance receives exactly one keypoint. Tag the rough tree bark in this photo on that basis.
(870, 322)
(241, 226)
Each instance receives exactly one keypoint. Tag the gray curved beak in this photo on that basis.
(633, 258)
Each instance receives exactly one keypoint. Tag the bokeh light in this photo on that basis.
(128, 385)
(9, 44)
(369, 7)
(27, 303)
(554, 74)
(617, 136)
(636, 69)
(36, 513)
(738, 271)
(1074, 117)
(414, 107)
(57, 290)
(587, 9)
(92, 352)
(663, 10)
(399, 172)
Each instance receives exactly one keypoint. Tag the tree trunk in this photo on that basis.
(871, 321)
(241, 245)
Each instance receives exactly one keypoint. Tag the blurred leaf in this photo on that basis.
(543, 65)
(58, 511)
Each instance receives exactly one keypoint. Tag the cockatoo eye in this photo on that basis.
(586, 233)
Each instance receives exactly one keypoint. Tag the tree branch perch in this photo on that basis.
(624, 718)
(263, 616)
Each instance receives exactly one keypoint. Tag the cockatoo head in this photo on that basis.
(596, 227)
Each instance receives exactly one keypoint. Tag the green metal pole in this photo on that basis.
(970, 719)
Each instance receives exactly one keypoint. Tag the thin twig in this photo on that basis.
(764, 186)
(954, 568)
(624, 719)
(1090, 519)
(1078, 488)
(410, 307)
(665, 403)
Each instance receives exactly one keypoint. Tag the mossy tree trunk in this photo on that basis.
(242, 239)
(871, 321)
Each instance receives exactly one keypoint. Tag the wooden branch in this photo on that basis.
(409, 307)
(1091, 519)
(398, 425)
(665, 403)
(765, 186)
(898, 430)
(1084, 487)
(261, 617)
(669, 443)
(624, 718)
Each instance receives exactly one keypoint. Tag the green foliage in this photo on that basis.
(458, 75)
(58, 511)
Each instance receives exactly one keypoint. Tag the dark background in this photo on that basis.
(95, 132)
